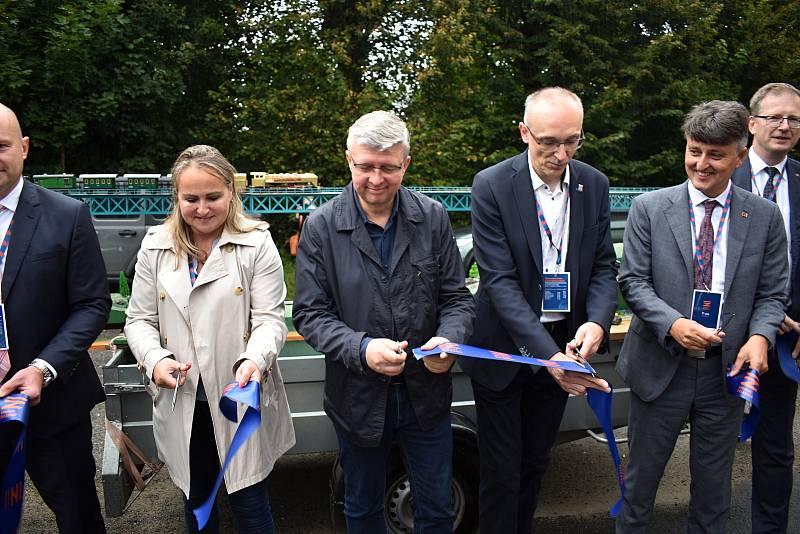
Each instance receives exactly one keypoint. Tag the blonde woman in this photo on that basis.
(207, 307)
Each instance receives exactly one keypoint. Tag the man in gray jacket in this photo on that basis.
(378, 273)
(704, 273)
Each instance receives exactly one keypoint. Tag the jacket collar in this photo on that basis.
(26, 218)
(347, 218)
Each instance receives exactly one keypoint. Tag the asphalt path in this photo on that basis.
(576, 494)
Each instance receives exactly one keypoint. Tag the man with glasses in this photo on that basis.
(540, 224)
(769, 172)
(378, 273)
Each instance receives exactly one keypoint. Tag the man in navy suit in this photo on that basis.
(540, 224)
(769, 172)
(56, 301)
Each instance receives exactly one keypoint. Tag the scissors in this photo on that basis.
(175, 391)
(576, 353)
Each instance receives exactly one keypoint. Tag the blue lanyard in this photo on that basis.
(698, 254)
(546, 227)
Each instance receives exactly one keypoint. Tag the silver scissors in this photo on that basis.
(175, 391)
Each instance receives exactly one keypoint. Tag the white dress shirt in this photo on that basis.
(555, 207)
(758, 179)
(697, 198)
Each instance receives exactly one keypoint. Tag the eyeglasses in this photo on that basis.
(550, 144)
(387, 170)
(775, 121)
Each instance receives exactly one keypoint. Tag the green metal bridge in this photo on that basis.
(128, 202)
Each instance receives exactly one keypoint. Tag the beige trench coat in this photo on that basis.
(234, 311)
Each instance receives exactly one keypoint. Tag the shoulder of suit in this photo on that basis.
(586, 171)
(52, 198)
(157, 237)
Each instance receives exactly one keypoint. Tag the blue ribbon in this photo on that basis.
(745, 385)
(13, 409)
(250, 395)
(784, 345)
(600, 402)
(460, 349)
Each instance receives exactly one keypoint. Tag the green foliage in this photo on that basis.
(124, 287)
(124, 85)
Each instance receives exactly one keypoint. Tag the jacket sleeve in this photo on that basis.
(601, 301)
(267, 293)
(499, 275)
(87, 296)
(314, 312)
(770, 299)
(141, 327)
(636, 276)
(456, 306)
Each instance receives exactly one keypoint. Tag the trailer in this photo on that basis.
(130, 451)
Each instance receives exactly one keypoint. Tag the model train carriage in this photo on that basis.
(97, 181)
(264, 179)
(139, 181)
(55, 181)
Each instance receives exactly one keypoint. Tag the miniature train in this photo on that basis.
(256, 180)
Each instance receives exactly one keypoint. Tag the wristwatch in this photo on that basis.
(47, 374)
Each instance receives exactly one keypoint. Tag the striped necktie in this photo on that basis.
(769, 187)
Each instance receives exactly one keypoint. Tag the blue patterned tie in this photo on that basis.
(769, 187)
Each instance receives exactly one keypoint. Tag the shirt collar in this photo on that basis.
(538, 182)
(757, 164)
(363, 215)
(11, 200)
(698, 197)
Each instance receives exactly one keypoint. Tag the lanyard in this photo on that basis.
(698, 254)
(546, 227)
(4, 250)
(775, 184)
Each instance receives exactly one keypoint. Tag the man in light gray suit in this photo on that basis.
(729, 245)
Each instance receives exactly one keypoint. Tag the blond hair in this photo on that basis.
(211, 160)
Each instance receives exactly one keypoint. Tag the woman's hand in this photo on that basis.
(165, 369)
(247, 371)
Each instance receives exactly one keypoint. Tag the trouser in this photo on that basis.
(428, 458)
(62, 469)
(696, 391)
(773, 450)
(517, 428)
(250, 506)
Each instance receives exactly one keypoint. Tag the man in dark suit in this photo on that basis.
(519, 254)
(56, 301)
(705, 242)
(768, 171)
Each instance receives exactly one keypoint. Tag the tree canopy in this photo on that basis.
(123, 86)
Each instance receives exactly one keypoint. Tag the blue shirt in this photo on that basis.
(383, 239)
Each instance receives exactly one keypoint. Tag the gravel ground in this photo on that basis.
(576, 494)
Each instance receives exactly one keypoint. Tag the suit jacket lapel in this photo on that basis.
(526, 206)
(738, 227)
(26, 218)
(743, 175)
(213, 269)
(575, 227)
(678, 219)
(793, 172)
(176, 282)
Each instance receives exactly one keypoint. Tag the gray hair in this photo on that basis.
(768, 89)
(380, 130)
(718, 122)
(550, 93)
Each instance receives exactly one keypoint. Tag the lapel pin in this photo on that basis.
(744, 214)
(580, 188)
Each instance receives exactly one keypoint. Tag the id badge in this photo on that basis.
(707, 308)
(555, 294)
(3, 331)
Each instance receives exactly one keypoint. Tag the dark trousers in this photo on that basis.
(250, 506)
(696, 391)
(517, 428)
(62, 469)
(428, 458)
(773, 451)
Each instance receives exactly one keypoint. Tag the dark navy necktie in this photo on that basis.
(769, 187)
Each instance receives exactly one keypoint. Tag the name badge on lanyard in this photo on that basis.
(556, 289)
(556, 293)
(707, 308)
